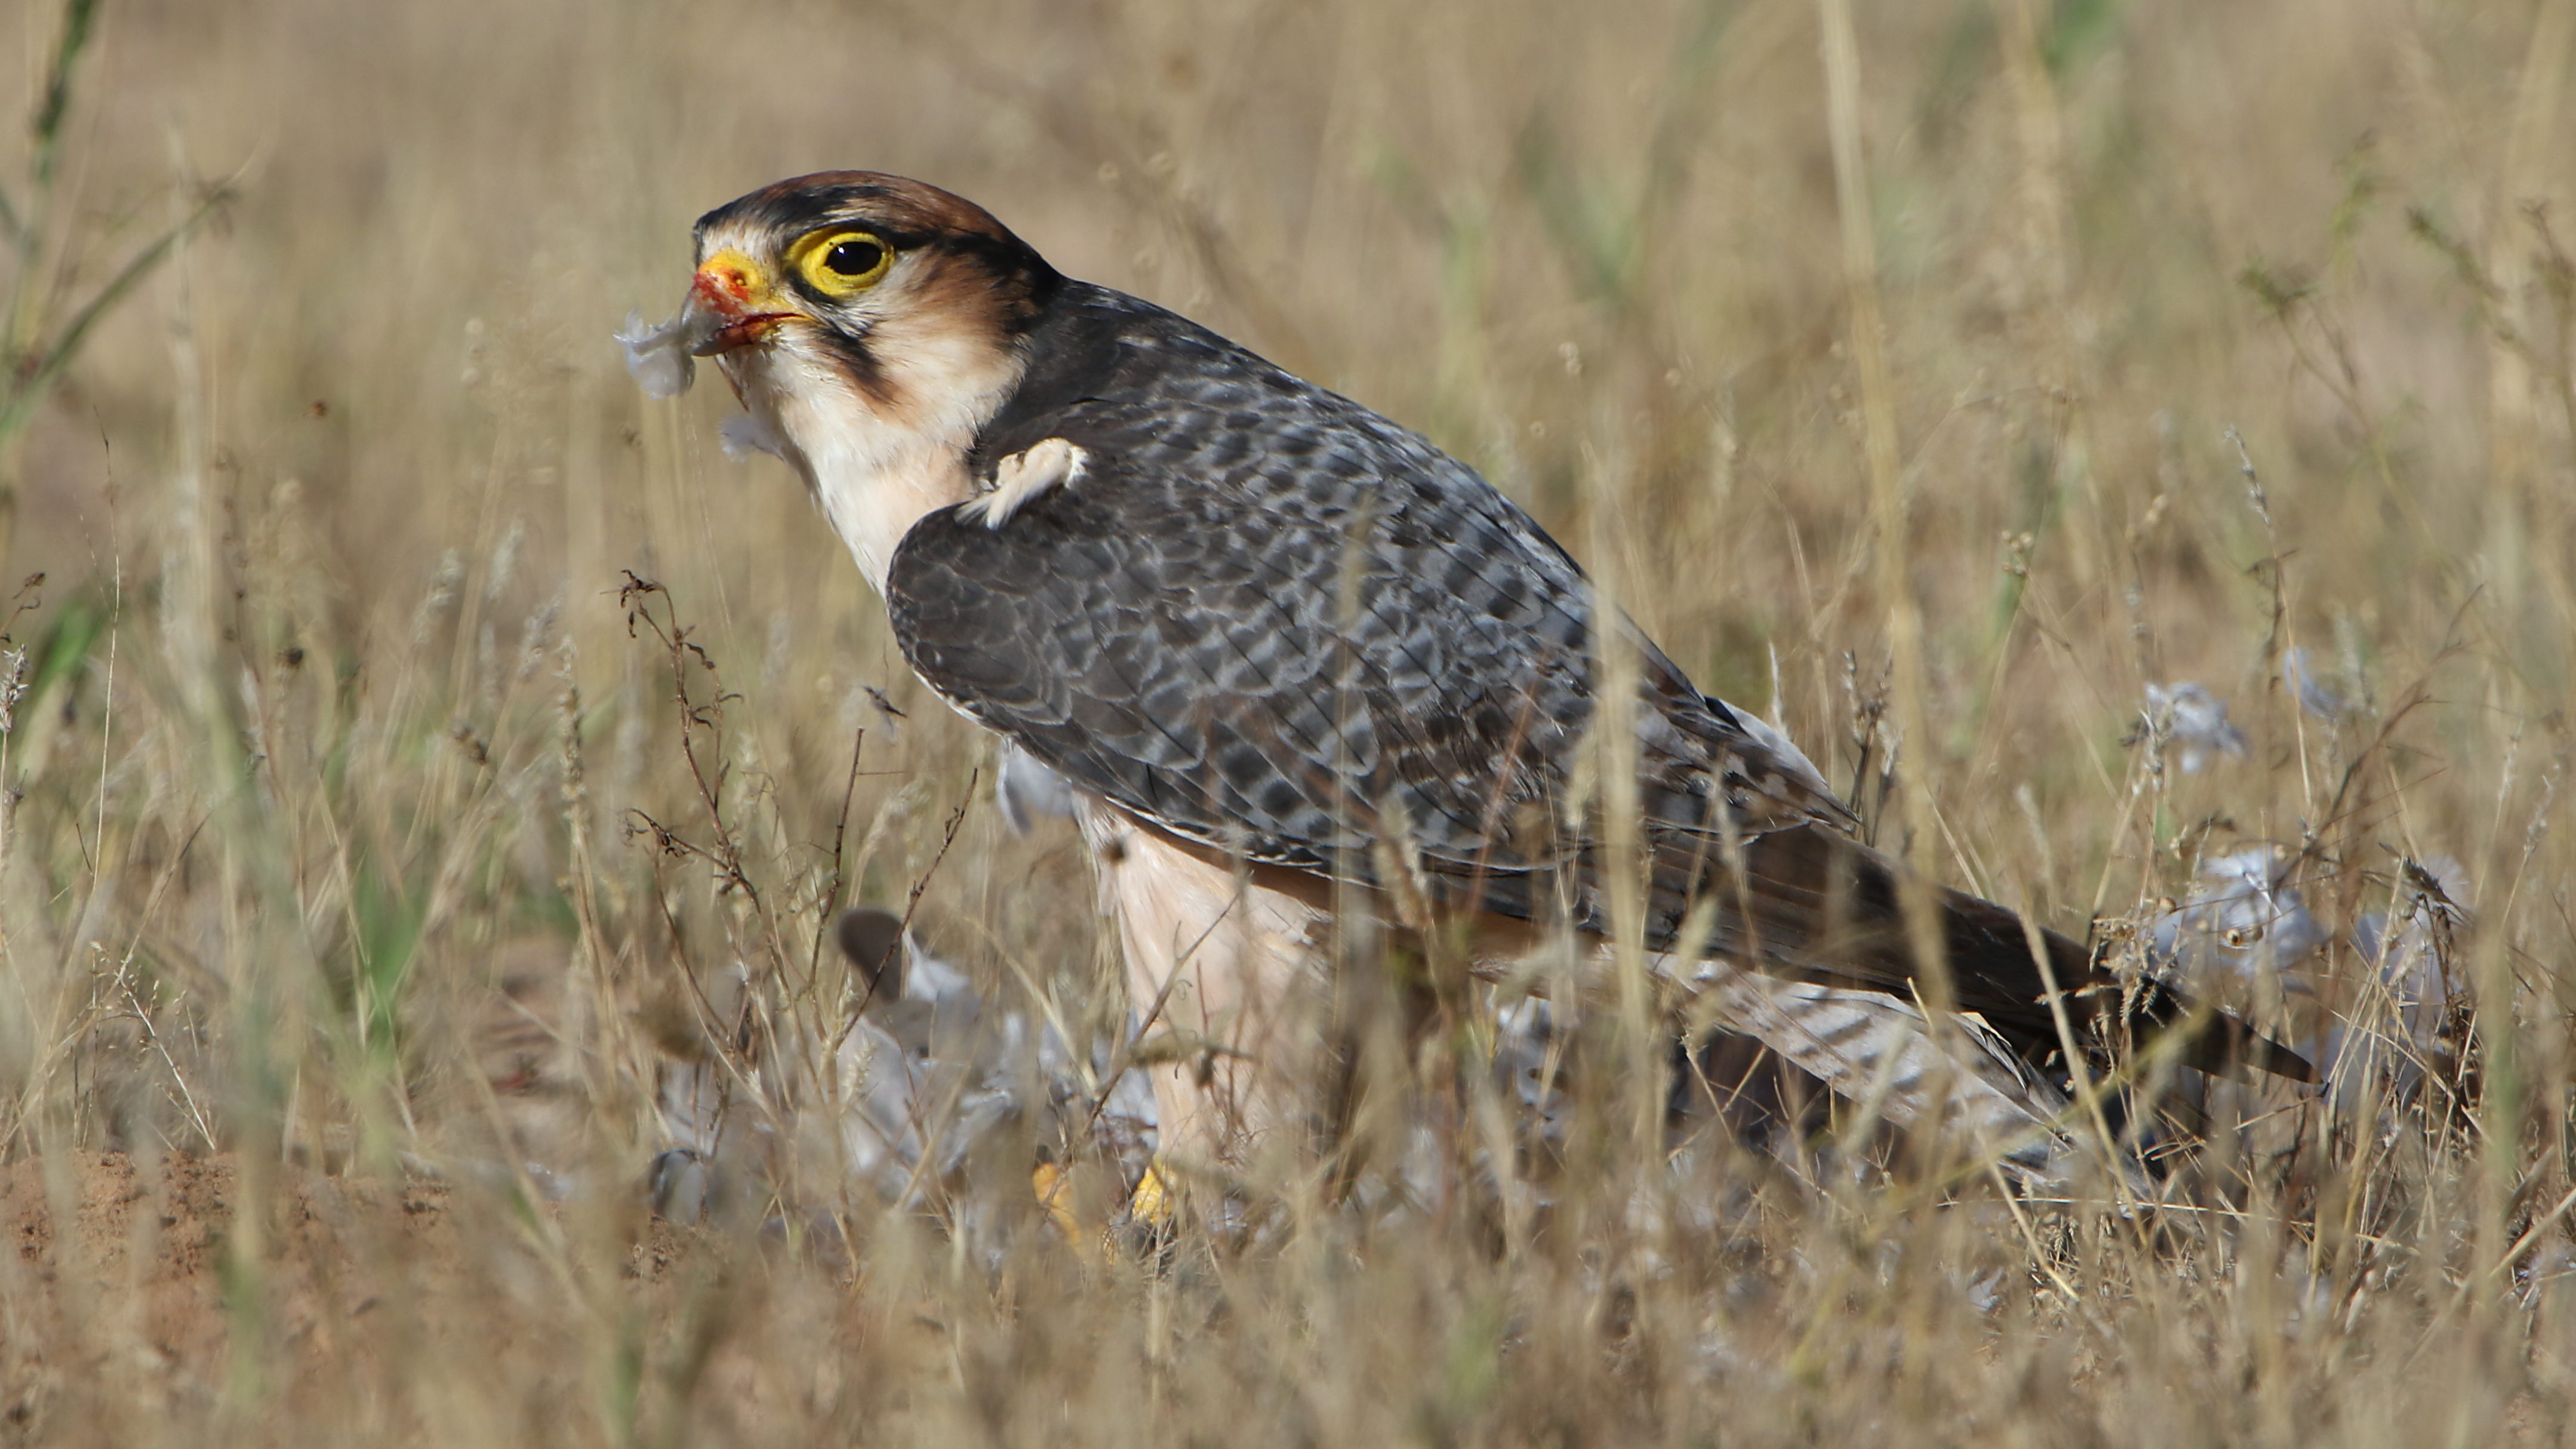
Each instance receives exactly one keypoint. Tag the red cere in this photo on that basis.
(722, 289)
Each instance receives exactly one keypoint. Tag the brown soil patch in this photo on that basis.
(128, 1286)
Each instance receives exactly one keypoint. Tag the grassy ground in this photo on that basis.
(332, 915)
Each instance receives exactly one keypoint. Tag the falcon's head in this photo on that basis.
(856, 288)
(870, 324)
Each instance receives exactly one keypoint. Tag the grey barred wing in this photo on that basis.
(1292, 663)
(1199, 660)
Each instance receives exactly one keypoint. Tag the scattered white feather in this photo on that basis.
(2391, 1032)
(2196, 720)
(2243, 917)
(1526, 1062)
(1028, 791)
(744, 434)
(893, 1102)
(2299, 676)
(928, 978)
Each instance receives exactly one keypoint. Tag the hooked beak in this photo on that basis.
(734, 304)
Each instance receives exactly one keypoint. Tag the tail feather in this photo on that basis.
(1879, 1052)
(1815, 906)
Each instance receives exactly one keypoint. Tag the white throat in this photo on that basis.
(876, 467)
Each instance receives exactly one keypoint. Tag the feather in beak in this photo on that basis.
(660, 358)
(731, 304)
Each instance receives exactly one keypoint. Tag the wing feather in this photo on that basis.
(1265, 651)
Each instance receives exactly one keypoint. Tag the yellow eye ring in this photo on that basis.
(841, 261)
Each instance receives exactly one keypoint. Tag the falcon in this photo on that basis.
(1313, 680)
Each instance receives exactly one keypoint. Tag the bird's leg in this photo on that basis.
(1213, 962)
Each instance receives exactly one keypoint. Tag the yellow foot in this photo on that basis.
(1153, 1204)
(1054, 1187)
(1152, 1210)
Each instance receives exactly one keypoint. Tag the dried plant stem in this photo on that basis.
(1887, 500)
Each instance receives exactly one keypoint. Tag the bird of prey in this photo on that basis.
(1295, 661)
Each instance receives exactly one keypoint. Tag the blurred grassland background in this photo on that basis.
(320, 874)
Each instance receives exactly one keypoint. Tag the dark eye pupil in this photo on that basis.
(853, 258)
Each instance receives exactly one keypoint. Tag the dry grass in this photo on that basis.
(320, 866)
